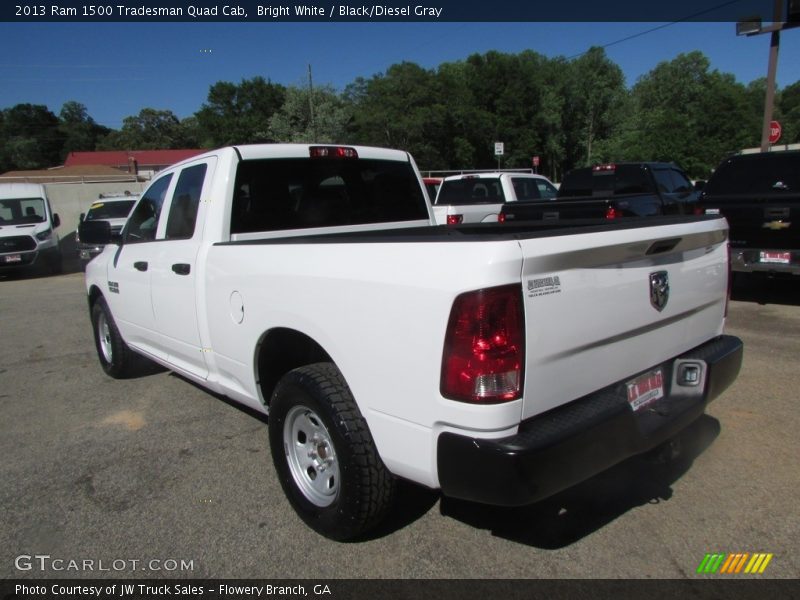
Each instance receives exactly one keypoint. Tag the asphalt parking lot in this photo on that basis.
(155, 477)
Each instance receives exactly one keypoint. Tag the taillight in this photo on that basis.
(484, 347)
(501, 218)
(612, 213)
(604, 168)
(332, 152)
(699, 210)
(454, 219)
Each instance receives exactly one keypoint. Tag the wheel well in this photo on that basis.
(94, 294)
(281, 350)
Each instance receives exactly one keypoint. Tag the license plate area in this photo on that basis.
(645, 389)
(780, 258)
(12, 258)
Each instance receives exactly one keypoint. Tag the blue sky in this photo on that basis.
(116, 69)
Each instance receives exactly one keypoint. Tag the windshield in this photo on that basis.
(22, 211)
(471, 190)
(109, 210)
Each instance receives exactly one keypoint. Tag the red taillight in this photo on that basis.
(332, 152)
(698, 210)
(612, 213)
(484, 348)
(454, 219)
(501, 218)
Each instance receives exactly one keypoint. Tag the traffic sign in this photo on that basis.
(498, 148)
(535, 161)
(774, 132)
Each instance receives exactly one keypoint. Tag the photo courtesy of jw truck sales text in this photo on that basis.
(276, 295)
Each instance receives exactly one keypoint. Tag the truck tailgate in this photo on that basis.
(594, 317)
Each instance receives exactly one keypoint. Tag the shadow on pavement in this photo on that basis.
(761, 289)
(583, 509)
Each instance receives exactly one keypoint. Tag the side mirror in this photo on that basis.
(96, 232)
(700, 185)
(81, 217)
(56, 220)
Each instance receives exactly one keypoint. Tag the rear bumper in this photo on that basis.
(750, 261)
(567, 445)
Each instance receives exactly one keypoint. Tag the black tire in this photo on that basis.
(341, 499)
(117, 360)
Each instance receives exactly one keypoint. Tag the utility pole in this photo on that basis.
(772, 68)
(311, 105)
(752, 26)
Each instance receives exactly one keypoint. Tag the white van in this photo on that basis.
(27, 228)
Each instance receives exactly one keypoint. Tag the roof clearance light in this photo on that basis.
(604, 168)
(332, 152)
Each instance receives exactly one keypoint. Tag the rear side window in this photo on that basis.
(298, 193)
(757, 174)
(526, 188)
(143, 221)
(471, 190)
(185, 202)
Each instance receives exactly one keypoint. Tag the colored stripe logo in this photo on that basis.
(735, 563)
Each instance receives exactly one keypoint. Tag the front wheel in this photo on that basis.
(325, 456)
(116, 358)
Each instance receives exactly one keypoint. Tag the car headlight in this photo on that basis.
(44, 235)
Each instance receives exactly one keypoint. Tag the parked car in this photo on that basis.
(113, 208)
(759, 195)
(479, 197)
(28, 237)
(610, 191)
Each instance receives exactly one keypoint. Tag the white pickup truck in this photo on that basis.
(298, 280)
(479, 197)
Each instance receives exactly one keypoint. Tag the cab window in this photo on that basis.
(185, 203)
(143, 222)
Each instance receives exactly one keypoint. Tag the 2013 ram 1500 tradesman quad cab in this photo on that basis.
(298, 280)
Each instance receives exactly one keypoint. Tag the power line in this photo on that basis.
(659, 27)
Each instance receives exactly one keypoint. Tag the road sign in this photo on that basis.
(498, 148)
(535, 161)
(774, 132)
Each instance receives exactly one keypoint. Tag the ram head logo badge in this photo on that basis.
(659, 289)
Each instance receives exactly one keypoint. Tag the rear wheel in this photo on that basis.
(115, 357)
(325, 456)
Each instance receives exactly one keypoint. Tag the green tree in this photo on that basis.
(81, 133)
(402, 108)
(239, 114)
(789, 102)
(594, 96)
(306, 116)
(151, 129)
(684, 112)
(30, 138)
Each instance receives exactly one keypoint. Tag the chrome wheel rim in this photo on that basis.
(104, 338)
(311, 456)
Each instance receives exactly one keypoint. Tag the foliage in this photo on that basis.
(310, 116)
(568, 112)
(239, 114)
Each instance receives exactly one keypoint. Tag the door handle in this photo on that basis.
(181, 268)
(140, 265)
